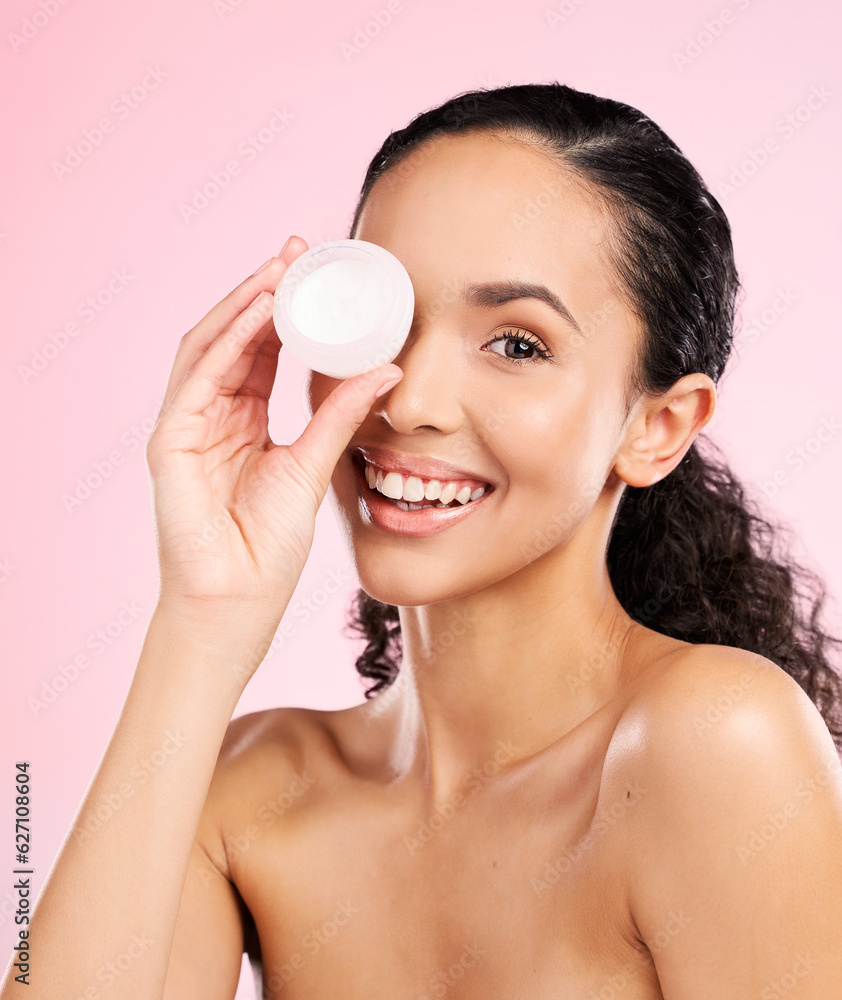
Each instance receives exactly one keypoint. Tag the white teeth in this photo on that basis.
(413, 489)
(392, 486)
(448, 493)
(412, 506)
(407, 492)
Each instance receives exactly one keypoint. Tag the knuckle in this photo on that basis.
(152, 449)
(344, 404)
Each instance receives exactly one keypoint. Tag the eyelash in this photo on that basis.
(509, 335)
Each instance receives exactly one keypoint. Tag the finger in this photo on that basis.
(241, 369)
(335, 422)
(252, 354)
(207, 377)
(198, 339)
(261, 377)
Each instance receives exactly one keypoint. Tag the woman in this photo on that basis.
(606, 764)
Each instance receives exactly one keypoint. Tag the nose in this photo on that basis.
(428, 396)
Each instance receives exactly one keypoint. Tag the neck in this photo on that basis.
(507, 671)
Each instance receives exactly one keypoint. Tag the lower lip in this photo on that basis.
(414, 523)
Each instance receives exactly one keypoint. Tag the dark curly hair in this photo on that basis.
(694, 536)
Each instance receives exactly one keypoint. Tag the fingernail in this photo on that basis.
(263, 266)
(285, 245)
(386, 387)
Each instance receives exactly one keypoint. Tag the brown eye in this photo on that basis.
(521, 343)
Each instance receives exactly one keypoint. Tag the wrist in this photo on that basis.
(224, 644)
(228, 621)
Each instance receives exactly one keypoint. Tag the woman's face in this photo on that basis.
(473, 210)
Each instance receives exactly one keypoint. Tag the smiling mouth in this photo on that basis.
(456, 493)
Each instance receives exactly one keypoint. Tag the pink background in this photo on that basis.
(717, 77)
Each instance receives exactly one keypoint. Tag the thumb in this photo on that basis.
(335, 422)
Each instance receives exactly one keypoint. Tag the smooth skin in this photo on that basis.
(552, 800)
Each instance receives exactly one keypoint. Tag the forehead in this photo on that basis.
(482, 207)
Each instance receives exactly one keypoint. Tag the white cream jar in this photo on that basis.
(344, 307)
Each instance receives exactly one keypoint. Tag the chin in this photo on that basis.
(405, 590)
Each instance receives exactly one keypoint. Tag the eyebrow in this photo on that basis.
(497, 293)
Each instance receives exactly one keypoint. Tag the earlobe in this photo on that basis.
(662, 428)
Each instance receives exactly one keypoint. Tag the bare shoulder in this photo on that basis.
(711, 714)
(735, 845)
(709, 700)
(272, 731)
(720, 739)
(278, 742)
(268, 759)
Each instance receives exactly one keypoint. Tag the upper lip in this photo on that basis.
(422, 466)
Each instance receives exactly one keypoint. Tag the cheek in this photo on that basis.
(557, 450)
(540, 441)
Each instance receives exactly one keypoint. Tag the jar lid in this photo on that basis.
(344, 307)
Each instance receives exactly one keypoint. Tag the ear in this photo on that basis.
(660, 429)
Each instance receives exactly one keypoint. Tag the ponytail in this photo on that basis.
(691, 557)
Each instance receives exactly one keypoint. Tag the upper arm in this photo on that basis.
(208, 942)
(207, 946)
(737, 886)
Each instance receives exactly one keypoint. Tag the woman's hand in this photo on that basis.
(234, 512)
